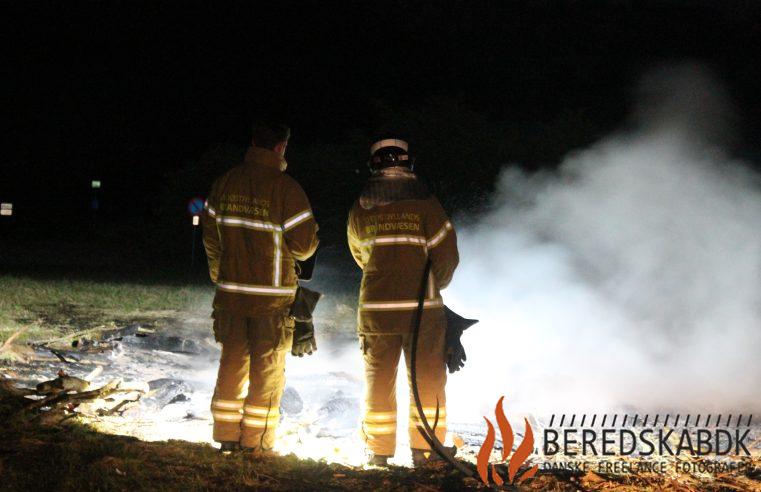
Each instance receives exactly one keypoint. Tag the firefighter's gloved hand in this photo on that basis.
(455, 353)
(304, 304)
(303, 331)
(303, 339)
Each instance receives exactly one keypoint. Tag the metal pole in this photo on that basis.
(193, 247)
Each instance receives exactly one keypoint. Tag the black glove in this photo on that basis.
(455, 353)
(305, 268)
(301, 311)
(303, 339)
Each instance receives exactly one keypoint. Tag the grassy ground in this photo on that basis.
(47, 309)
(75, 457)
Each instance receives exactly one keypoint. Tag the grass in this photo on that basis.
(50, 308)
(76, 457)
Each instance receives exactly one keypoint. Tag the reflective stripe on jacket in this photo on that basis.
(257, 222)
(391, 243)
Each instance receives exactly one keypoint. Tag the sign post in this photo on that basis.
(195, 209)
(94, 202)
(6, 210)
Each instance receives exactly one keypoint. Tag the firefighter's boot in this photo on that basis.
(378, 459)
(227, 447)
(423, 457)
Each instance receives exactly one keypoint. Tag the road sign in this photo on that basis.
(6, 209)
(195, 206)
(95, 184)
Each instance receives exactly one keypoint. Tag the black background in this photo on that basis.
(156, 98)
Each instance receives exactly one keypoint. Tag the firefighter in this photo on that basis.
(257, 224)
(394, 227)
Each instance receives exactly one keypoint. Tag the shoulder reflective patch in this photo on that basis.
(435, 240)
(296, 219)
(265, 290)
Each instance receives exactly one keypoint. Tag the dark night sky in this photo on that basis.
(131, 90)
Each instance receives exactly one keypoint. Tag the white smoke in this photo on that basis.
(631, 278)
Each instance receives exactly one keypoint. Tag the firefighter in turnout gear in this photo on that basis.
(257, 223)
(394, 227)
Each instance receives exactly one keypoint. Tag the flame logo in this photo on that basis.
(518, 458)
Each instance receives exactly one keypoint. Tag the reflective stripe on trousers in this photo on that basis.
(251, 378)
(381, 355)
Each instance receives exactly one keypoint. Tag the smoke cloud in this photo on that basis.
(629, 279)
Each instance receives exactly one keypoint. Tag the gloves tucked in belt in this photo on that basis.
(455, 352)
(303, 331)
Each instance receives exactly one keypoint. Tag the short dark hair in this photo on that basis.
(267, 135)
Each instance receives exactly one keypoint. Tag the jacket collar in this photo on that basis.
(265, 157)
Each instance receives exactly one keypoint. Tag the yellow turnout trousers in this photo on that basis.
(253, 352)
(381, 354)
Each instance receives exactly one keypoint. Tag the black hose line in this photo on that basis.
(428, 434)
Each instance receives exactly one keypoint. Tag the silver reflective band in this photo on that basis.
(428, 412)
(297, 219)
(248, 224)
(380, 416)
(435, 240)
(211, 211)
(226, 417)
(278, 256)
(277, 239)
(398, 305)
(227, 404)
(389, 142)
(380, 429)
(256, 289)
(248, 422)
(395, 240)
(262, 411)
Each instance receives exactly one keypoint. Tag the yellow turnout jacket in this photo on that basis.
(257, 222)
(391, 243)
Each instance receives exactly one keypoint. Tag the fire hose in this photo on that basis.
(427, 432)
